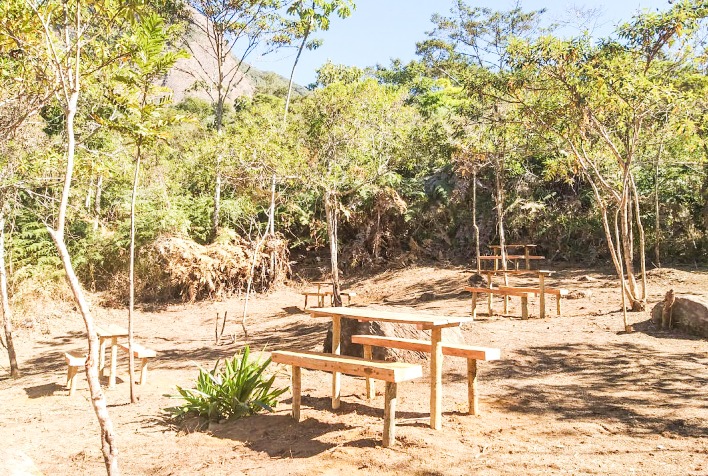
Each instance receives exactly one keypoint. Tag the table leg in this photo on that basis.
(436, 358)
(526, 256)
(102, 356)
(542, 297)
(336, 349)
(114, 362)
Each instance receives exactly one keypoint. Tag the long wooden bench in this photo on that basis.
(513, 258)
(142, 353)
(74, 361)
(322, 294)
(501, 292)
(390, 372)
(557, 292)
(469, 352)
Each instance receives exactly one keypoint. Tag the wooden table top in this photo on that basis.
(514, 246)
(111, 330)
(365, 314)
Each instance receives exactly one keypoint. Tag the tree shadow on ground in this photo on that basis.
(653, 328)
(46, 390)
(627, 384)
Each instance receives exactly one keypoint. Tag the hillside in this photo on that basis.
(196, 76)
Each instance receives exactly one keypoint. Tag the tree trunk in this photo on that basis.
(499, 199)
(642, 244)
(131, 279)
(6, 311)
(292, 73)
(657, 222)
(97, 202)
(331, 212)
(98, 399)
(475, 227)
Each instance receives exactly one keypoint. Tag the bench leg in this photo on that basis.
(336, 349)
(473, 311)
(143, 371)
(525, 306)
(71, 382)
(389, 432)
(370, 386)
(296, 380)
(506, 304)
(558, 305)
(114, 362)
(472, 398)
(102, 357)
(305, 301)
(542, 295)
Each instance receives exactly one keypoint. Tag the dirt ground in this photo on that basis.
(571, 395)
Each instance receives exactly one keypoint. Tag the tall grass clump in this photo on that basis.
(239, 389)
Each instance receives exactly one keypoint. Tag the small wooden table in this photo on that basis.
(110, 332)
(426, 321)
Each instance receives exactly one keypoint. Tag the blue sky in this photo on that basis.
(380, 30)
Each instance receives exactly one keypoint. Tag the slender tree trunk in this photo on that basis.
(642, 244)
(98, 399)
(331, 212)
(217, 179)
(475, 227)
(623, 290)
(131, 278)
(97, 202)
(6, 311)
(657, 221)
(292, 72)
(499, 198)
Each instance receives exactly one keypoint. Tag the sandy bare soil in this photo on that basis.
(571, 395)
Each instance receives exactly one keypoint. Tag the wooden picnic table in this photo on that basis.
(425, 321)
(105, 333)
(527, 251)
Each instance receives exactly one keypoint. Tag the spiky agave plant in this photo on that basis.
(239, 389)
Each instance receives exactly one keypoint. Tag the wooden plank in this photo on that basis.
(389, 431)
(364, 314)
(378, 369)
(139, 350)
(417, 345)
(553, 291)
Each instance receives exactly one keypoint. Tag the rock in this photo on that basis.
(587, 278)
(352, 327)
(579, 294)
(688, 313)
(426, 296)
(477, 280)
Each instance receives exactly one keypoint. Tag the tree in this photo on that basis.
(141, 115)
(68, 37)
(6, 311)
(353, 132)
(229, 27)
(600, 103)
(311, 15)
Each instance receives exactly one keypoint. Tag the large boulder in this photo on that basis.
(688, 313)
(352, 327)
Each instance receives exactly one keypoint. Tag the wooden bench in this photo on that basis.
(142, 353)
(541, 292)
(74, 361)
(469, 352)
(502, 292)
(322, 294)
(390, 372)
(513, 258)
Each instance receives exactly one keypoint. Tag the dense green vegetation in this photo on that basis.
(574, 143)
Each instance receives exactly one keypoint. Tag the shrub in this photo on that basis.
(239, 390)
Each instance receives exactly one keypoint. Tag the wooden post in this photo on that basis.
(370, 386)
(102, 357)
(472, 387)
(525, 306)
(296, 379)
(336, 349)
(436, 359)
(558, 304)
(114, 362)
(526, 256)
(490, 311)
(389, 431)
(473, 311)
(542, 286)
(71, 379)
